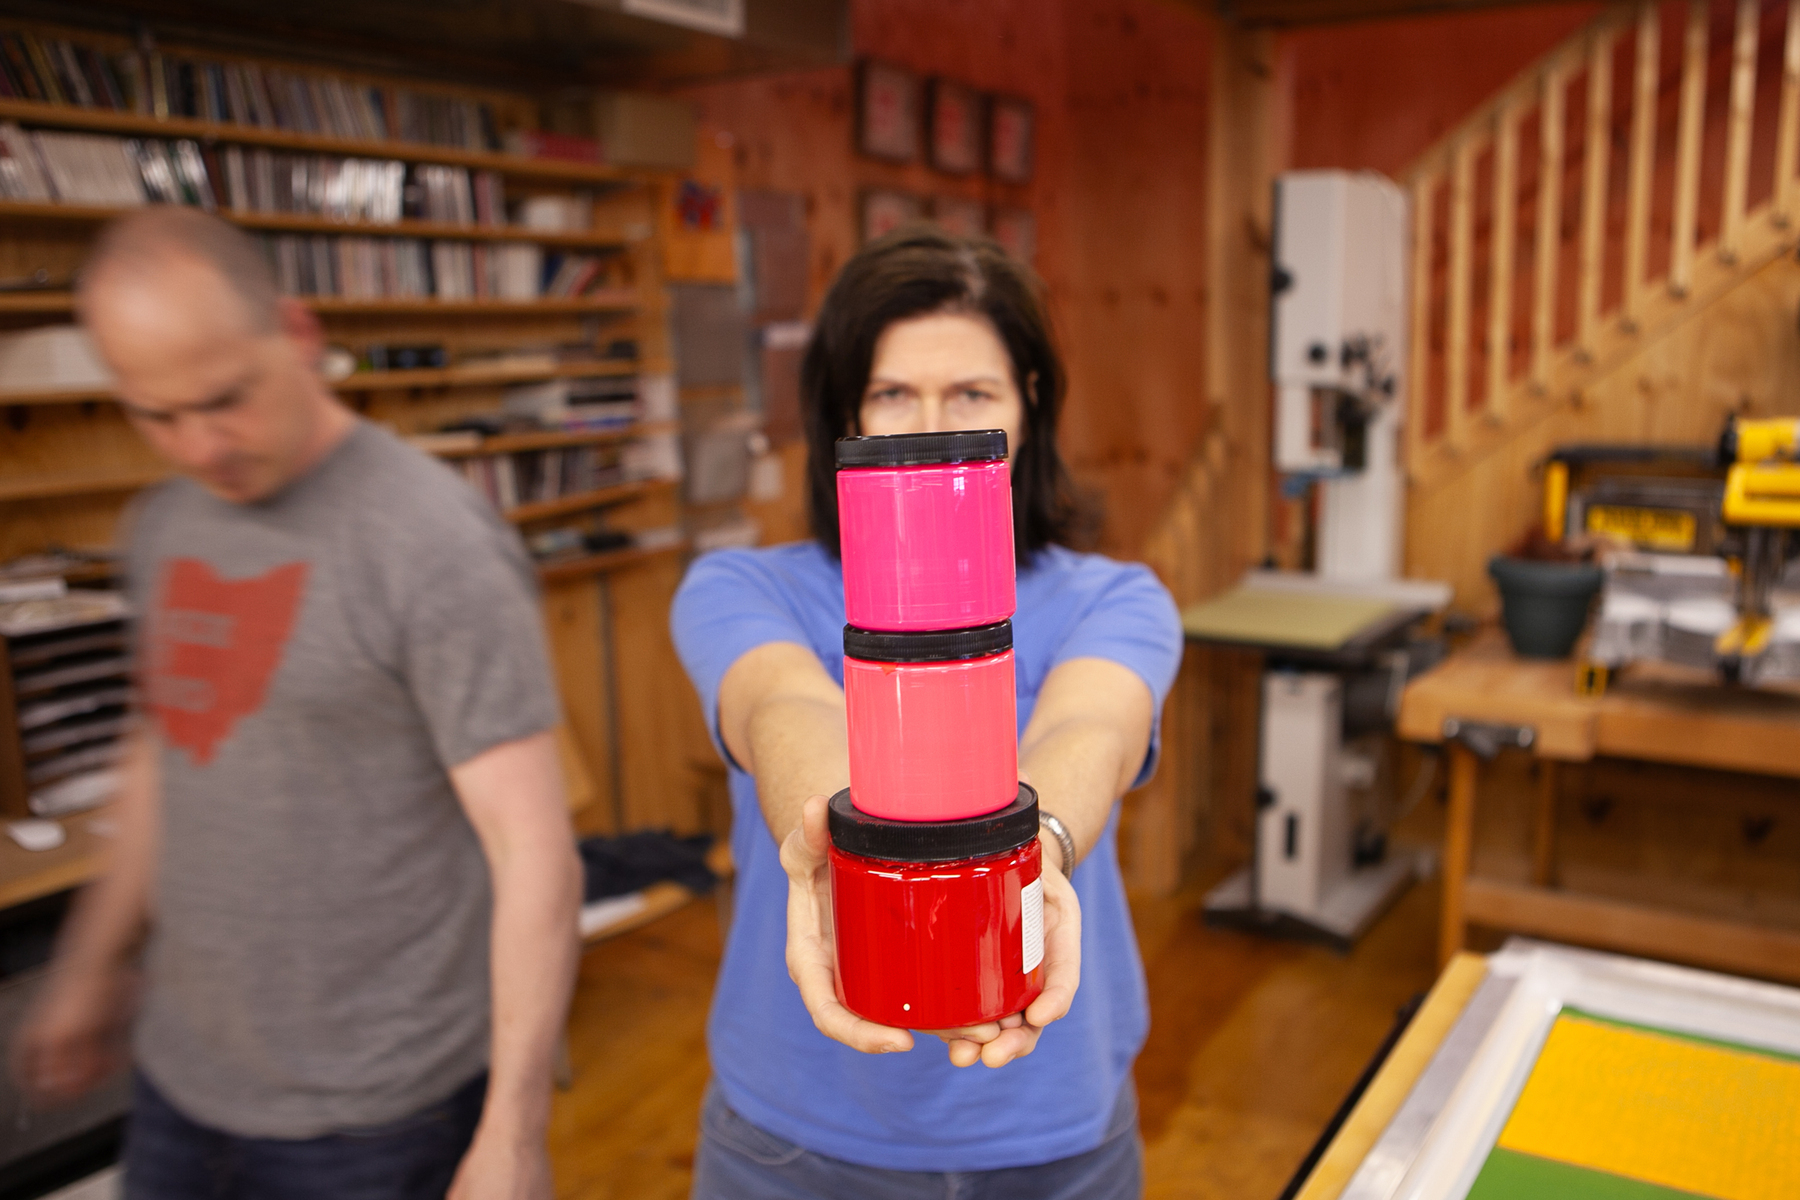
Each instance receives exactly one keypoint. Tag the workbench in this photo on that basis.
(1484, 698)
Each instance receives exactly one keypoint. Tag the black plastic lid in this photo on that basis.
(855, 832)
(944, 645)
(922, 449)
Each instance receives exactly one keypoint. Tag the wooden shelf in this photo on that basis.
(46, 301)
(376, 381)
(609, 300)
(523, 514)
(65, 116)
(554, 439)
(13, 210)
(599, 564)
(47, 487)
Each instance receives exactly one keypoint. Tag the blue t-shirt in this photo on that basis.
(914, 1111)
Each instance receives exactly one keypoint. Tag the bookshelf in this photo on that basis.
(36, 113)
(513, 443)
(525, 514)
(564, 570)
(93, 214)
(69, 460)
(55, 303)
(378, 381)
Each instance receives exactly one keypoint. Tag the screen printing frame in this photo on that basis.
(1443, 1132)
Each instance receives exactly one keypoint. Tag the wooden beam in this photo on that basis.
(1500, 275)
(1733, 946)
(1417, 396)
(1737, 144)
(1687, 150)
(1543, 835)
(1459, 842)
(1593, 186)
(1461, 293)
(1787, 122)
(1551, 123)
(1641, 162)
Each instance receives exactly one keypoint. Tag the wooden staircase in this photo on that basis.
(1566, 236)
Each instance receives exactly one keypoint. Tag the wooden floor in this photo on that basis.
(1253, 1045)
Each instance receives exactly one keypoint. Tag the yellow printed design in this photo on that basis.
(1706, 1119)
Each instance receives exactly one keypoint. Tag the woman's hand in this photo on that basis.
(811, 949)
(812, 959)
(999, 1042)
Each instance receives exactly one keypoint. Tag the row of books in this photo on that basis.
(371, 268)
(538, 476)
(59, 71)
(85, 168)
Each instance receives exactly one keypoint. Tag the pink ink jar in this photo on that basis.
(926, 527)
(938, 925)
(933, 722)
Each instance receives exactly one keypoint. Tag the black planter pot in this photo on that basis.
(1544, 605)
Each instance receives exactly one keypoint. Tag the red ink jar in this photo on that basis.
(938, 924)
(925, 526)
(934, 729)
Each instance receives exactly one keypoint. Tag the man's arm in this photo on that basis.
(513, 795)
(74, 1036)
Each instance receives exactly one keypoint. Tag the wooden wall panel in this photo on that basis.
(1738, 354)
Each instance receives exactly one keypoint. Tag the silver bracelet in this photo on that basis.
(1064, 839)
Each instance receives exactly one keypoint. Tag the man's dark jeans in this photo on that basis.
(170, 1157)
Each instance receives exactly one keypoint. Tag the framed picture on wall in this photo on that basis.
(955, 124)
(1011, 129)
(885, 210)
(1016, 231)
(960, 216)
(887, 111)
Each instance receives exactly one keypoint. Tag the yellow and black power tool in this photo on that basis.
(1762, 506)
(1696, 541)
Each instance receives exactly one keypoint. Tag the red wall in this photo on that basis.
(1121, 95)
(1374, 94)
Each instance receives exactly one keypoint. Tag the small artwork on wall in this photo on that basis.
(887, 112)
(956, 132)
(959, 216)
(1011, 128)
(885, 210)
(1016, 231)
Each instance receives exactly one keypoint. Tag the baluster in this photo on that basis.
(1506, 207)
(1642, 161)
(1687, 150)
(1461, 291)
(1549, 223)
(1593, 188)
(1415, 391)
(1787, 126)
(1737, 146)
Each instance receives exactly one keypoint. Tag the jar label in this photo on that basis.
(1031, 900)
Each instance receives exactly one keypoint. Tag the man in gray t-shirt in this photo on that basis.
(344, 789)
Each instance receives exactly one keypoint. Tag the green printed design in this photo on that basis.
(1509, 1175)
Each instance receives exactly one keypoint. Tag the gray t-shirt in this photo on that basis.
(314, 663)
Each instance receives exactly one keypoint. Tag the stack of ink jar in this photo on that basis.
(935, 864)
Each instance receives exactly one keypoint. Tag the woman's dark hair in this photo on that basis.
(913, 272)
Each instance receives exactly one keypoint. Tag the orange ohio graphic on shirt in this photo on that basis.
(214, 645)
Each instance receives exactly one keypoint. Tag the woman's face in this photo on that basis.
(942, 372)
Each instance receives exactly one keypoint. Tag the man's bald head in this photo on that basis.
(214, 367)
(160, 246)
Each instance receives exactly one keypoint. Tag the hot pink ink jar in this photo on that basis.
(933, 722)
(926, 527)
(938, 925)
